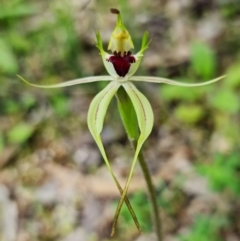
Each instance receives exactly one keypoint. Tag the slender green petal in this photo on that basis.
(172, 82)
(145, 121)
(70, 82)
(105, 56)
(96, 114)
(145, 42)
(99, 44)
(139, 55)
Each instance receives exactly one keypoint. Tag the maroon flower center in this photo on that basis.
(120, 63)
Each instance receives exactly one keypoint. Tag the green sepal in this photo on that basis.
(83, 80)
(145, 122)
(159, 80)
(96, 114)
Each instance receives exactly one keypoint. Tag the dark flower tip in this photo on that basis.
(114, 11)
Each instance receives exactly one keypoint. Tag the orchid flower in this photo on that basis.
(121, 65)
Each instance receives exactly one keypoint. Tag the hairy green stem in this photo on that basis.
(130, 123)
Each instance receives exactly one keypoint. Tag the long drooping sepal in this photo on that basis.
(98, 108)
(96, 114)
(70, 82)
(145, 121)
(172, 82)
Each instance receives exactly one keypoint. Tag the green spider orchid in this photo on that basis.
(121, 65)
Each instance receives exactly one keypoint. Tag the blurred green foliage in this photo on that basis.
(223, 173)
(206, 228)
(60, 104)
(12, 41)
(190, 109)
(189, 113)
(221, 102)
(230, 9)
(203, 60)
(225, 100)
(190, 105)
(20, 133)
(8, 63)
(31, 44)
(1, 142)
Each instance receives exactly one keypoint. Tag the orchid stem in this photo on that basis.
(152, 194)
(130, 123)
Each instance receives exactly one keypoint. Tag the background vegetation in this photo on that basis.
(53, 182)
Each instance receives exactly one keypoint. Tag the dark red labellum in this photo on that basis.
(120, 63)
